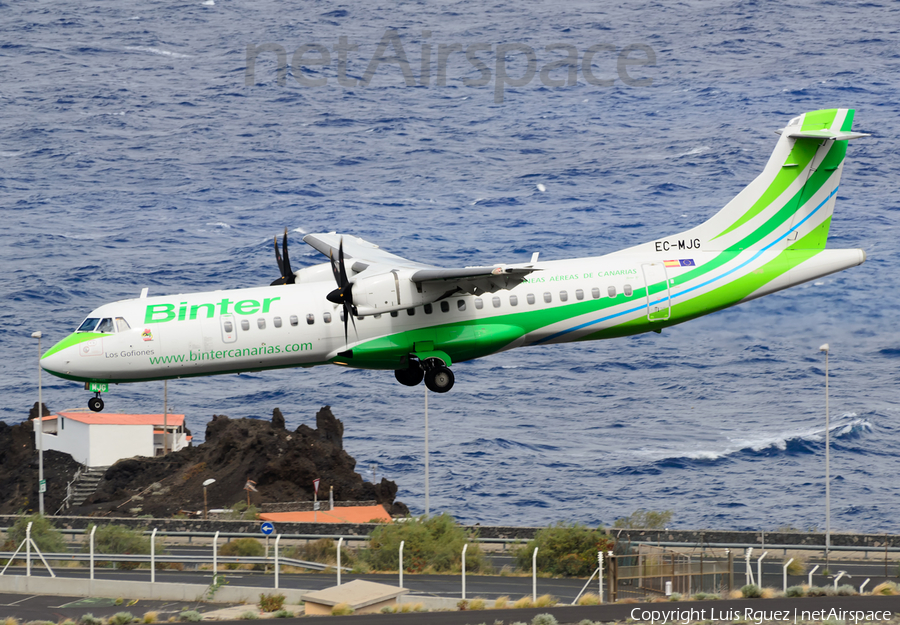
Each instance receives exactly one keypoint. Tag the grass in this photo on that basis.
(121, 618)
(150, 617)
(501, 602)
(797, 567)
(524, 602)
(249, 615)
(751, 591)
(341, 609)
(477, 604)
(589, 598)
(886, 588)
(546, 601)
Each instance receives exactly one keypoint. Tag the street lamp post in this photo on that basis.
(40, 429)
(825, 348)
(205, 508)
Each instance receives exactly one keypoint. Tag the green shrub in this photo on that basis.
(846, 591)
(751, 591)
(283, 614)
(190, 616)
(818, 591)
(325, 551)
(795, 591)
(243, 547)
(568, 550)
(341, 609)
(886, 588)
(544, 619)
(43, 533)
(121, 618)
(434, 542)
(90, 619)
(118, 539)
(645, 519)
(249, 615)
(270, 603)
(675, 596)
(797, 566)
(241, 512)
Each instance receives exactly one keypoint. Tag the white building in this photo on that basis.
(99, 440)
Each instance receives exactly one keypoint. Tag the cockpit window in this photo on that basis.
(106, 325)
(122, 325)
(88, 325)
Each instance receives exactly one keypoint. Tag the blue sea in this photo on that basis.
(140, 147)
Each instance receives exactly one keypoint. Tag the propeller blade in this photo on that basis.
(278, 257)
(344, 279)
(286, 272)
(334, 270)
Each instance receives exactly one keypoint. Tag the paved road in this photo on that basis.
(817, 609)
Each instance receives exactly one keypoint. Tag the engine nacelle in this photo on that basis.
(387, 292)
(316, 273)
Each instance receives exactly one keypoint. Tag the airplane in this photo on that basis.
(418, 319)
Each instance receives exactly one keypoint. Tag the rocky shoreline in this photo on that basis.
(282, 464)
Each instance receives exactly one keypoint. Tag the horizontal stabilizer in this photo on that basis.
(838, 135)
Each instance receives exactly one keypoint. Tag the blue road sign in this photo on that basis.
(267, 528)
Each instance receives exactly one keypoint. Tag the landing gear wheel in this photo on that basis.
(409, 377)
(439, 379)
(95, 404)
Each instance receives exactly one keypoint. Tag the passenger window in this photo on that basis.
(229, 327)
(106, 325)
(513, 300)
(530, 298)
(428, 309)
(445, 306)
(122, 325)
(276, 322)
(88, 325)
(495, 301)
(478, 303)
(326, 317)
(612, 291)
(461, 304)
(310, 319)
(563, 296)
(342, 314)
(595, 292)
(579, 294)
(245, 325)
(393, 313)
(294, 320)
(410, 311)
(628, 290)
(548, 298)
(261, 323)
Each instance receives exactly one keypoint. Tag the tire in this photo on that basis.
(409, 377)
(95, 404)
(439, 380)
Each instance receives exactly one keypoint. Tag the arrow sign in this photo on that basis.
(316, 485)
(267, 528)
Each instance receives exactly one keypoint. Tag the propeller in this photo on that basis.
(284, 264)
(342, 295)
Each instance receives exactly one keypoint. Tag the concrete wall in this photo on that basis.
(71, 437)
(67, 586)
(109, 443)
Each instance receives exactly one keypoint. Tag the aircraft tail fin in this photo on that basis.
(789, 205)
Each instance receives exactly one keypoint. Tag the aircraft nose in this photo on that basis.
(57, 359)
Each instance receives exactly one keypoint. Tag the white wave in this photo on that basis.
(220, 224)
(846, 424)
(694, 151)
(9, 153)
(300, 230)
(541, 187)
(159, 51)
(209, 3)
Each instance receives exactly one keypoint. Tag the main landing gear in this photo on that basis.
(438, 377)
(95, 403)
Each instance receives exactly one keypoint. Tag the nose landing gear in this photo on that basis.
(95, 403)
(438, 377)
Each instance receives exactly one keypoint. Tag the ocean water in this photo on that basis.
(133, 153)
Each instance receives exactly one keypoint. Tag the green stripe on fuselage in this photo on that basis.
(73, 339)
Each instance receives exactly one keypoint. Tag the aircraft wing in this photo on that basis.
(368, 259)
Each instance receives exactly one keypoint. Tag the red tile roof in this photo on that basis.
(349, 514)
(96, 418)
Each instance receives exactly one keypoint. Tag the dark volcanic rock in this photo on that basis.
(283, 464)
(19, 471)
(277, 419)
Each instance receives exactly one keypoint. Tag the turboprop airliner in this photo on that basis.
(370, 309)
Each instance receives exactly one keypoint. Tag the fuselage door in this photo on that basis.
(659, 302)
(229, 330)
